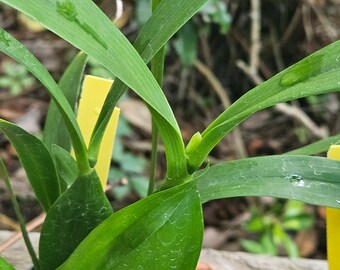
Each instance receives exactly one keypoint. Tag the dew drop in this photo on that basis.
(338, 201)
(296, 180)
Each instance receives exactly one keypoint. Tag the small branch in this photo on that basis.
(255, 48)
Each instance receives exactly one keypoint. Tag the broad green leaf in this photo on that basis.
(67, 166)
(163, 231)
(13, 48)
(316, 147)
(169, 16)
(316, 74)
(313, 180)
(5, 265)
(37, 162)
(73, 216)
(55, 131)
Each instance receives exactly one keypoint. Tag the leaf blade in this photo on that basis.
(313, 180)
(150, 225)
(37, 162)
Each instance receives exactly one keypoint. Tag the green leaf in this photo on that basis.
(316, 74)
(313, 180)
(37, 162)
(186, 44)
(290, 247)
(301, 222)
(252, 247)
(67, 166)
(168, 16)
(316, 147)
(55, 131)
(163, 231)
(13, 48)
(74, 215)
(5, 265)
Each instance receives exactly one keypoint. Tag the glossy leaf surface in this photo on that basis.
(37, 162)
(55, 131)
(74, 215)
(316, 147)
(13, 48)
(313, 180)
(316, 74)
(163, 231)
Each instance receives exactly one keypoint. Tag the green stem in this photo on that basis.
(157, 69)
(15, 203)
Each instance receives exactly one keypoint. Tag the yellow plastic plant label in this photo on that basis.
(333, 223)
(92, 99)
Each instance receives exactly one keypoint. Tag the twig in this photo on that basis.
(252, 71)
(216, 85)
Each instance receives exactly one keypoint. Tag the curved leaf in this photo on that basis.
(315, 74)
(316, 147)
(13, 48)
(37, 162)
(73, 216)
(55, 131)
(313, 180)
(163, 231)
(170, 17)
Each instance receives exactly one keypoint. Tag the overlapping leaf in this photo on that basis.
(313, 180)
(316, 74)
(153, 233)
(316, 147)
(37, 162)
(73, 216)
(10, 46)
(55, 131)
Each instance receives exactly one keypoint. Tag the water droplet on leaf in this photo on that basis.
(296, 180)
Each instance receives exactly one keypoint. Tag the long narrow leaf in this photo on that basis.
(37, 162)
(316, 74)
(13, 48)
(168, 17)
(55, 131)
(73, 216)
(163, 231)
(316, 147)
(313, 180)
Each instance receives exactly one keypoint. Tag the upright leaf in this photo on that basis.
(37, 162)
(316, 74)
(313, 180)
(163, 231)
(13, 48)
(55, 131)
(73, 216)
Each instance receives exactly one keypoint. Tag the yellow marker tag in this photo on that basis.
(92, 99)
(333, 223)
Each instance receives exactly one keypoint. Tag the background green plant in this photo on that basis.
(159, 228)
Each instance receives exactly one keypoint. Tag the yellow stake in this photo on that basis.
(333, 223)
(92, 99)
